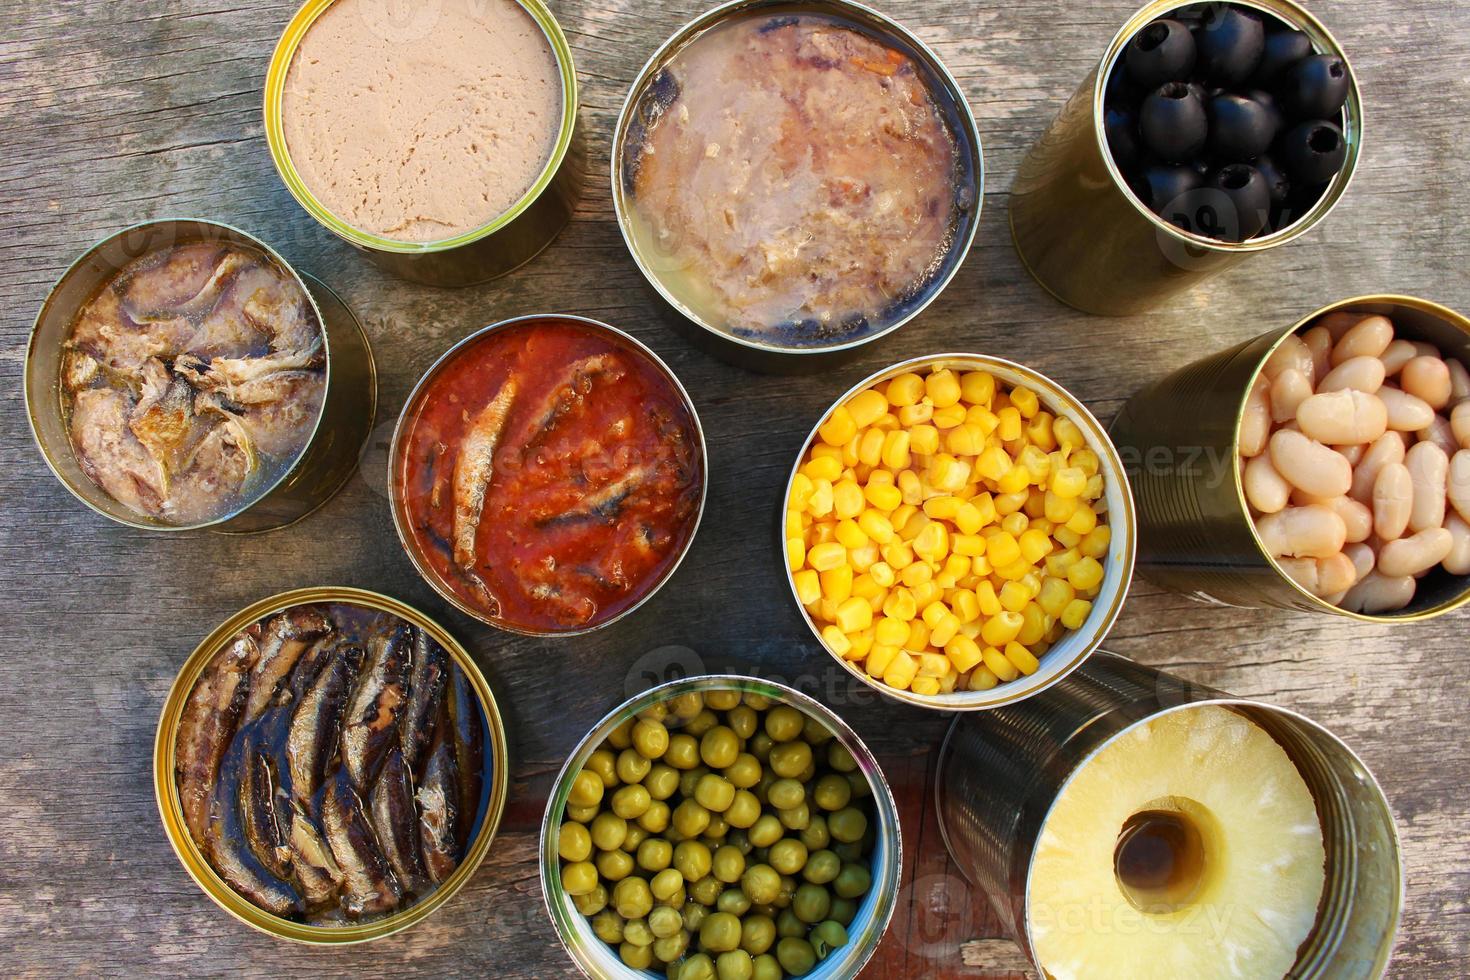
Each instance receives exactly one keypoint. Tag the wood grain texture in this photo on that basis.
(118, 112)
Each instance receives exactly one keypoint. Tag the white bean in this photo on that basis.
(1302, 571)
(1363, 559)
(1429, 467)
(1459, 380)
(1339, 323)
(1457, 562)
(1460, 424)
(1378, 594)
(1428, 379)
(1291, 353)
(1302, 532)
(1396, 355)
(1335, 574)
(1457, 483)
(1342, 417)
(1441, 434)
(1361, 373)
(1416, 553)
(1388, 449)
(1309, 465)
(1319, 341)
(1255, 421)
(1289, 390)
(1353, 454)
(1406, 413)
(1369, 338)
(1356, 517)
(1266, 491)
(1393, 501)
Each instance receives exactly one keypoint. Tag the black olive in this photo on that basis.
(1249, 201)
(1277, 183)
(1120, 90)
(1315, 87)
(1121, 127)
(1161, 185)
(1312, 152)
(1172, 122)
(1231, 42)
(1266, 99)
(1240, 128)
(1161, 52)
(1282, 50)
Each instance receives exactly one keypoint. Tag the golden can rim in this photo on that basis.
(852, 9)
(275, 134)
(165, 787)
(1295, 16)
(1316, 602)
(395, 498)
(33, 352)
(1122, 549)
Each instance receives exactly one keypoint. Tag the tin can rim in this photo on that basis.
(275, 84)
(730, 8)
(398, 508)
(1299, 18)
(165, 788)
(32, 351)
(885, 884)
(1117, 572)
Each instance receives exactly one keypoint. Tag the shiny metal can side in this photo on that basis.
(320, 469)
(509, 240)
(166, 791)
(1087, 238)
(1001, 772)
(1179, 438)
(597, 959)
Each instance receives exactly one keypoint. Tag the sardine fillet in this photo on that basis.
(314, 726)
(396, 821)
(368, 883)
(474, 467)
(284, 639)
(207, 726)
(371, 722)
(439, 814)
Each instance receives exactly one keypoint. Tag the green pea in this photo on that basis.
(635, 836)
(734, 965)
(844, 910)
(811, 903)
(734, 901)
(848, 852)
(666, 884)
(719, 932)
(657, 711)
(638, 933)
(714, 792)
(687, 705)
(784, 723)
(821, 867)
(789, 759)
(766, 831)
(701, 723)
(788, 856)
(719, 747)
(632, 898)
(656, 818)
(608, 926)
(796, 956)
(839, 758)
(694, 914)
(787, 892)
(832, 792)
(761, 883)
(633, 765)
(816, 836)
(848, 825)
(757, 701)
(690, 819)
(651, 740)
(853, 880)
(815, 732)
(706, 891)
(757, 934)
(722, 700)
(614, 865)
(689, 778)
(729, 864)
(826, 937)
(744, 772)
(656, 854)
(744, 809)
(662, 780)
(797, 817)
(683, 752)
(861, 789)
(760, 745)
(578, 878)
(672, 947)
(630, 802)
(786, 793)
(592, 902)
(582, 814)
(636, 957)
(604, 763)
(573, 843)
(787, 925)
(739, 838)
(608, 831)
(697, 967)
(718, 828)
(742, 721)
(663, 922)
(620, 737)
(693, 860)
(767, 968)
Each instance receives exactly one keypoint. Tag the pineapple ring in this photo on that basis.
(1264, 865)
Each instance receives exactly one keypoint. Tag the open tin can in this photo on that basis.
(413, 407)
(509, 240)
(170, 807)
(1084, 234)
(1076, 645)
(597, 959)
(1000, 774)
(1180, 440)
(646, 101)
(319, 470)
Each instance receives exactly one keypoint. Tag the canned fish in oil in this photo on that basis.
(1000, 774)
(1179, 438)
(319, 469)
(171, 807)
(1087, 238)
(510, 239)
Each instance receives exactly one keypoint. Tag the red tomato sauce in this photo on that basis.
(583, 462)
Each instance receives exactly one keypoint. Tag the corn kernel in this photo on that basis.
(1009, 503)
(850, 535)
(891, 632)
(1014, 596)
(1001, 628)
(944, 508)
(926, 686)
(1094, 487)
(847, 499)
(866, 407)
(916, 574)
(906, 389)
(896, 449)
(836, 641)
(853, 615)
(823, 468)
(918, 637)
(884, 496)
(924, 440)
(901, 671)
(1015, 524)
(1057, 564)
(882, 573)
(861, 644)
(1068, 436)
(1086, 574)
(801, 490)
(808, 586)
(1054, 595)
(948, 474)
(993, 463)
(880, 656)
(913, 522)
(913, 415)
(1016, 479)
(999, 665)
(945, 631)
(988, 600)
(901, 605)
(1001, 549)
(1010, 423)
(1021, 658)
(866, 589)
(1095, 543)
(898, 555)
(963, 653)
(1039, 432)
(1033, 625)
(1068, 481)
(949, 416)
(1025, 401)
(1035, 544)
(837, 583)
(934, 665)
(972, 545)
(987, 420)
(819, 504)
(870, 447)
(1059, 509)
(932, 543)
(911, 488)
(977, 387)
(826, 556)
(795, 526)
(838, 428)
(982, 679)
(795, 554)
(1083, 520)
(1075, 614)
(943, 388)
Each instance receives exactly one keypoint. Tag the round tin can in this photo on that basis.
(507, 242)
(170, 810)
(1180, 440)
(600, 961)
(1077, 645)
(331, 453)
(396, 467)
(1000, 773)
(1087, 238)
(949, 97)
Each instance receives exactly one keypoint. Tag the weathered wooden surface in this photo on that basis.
(119, 112)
